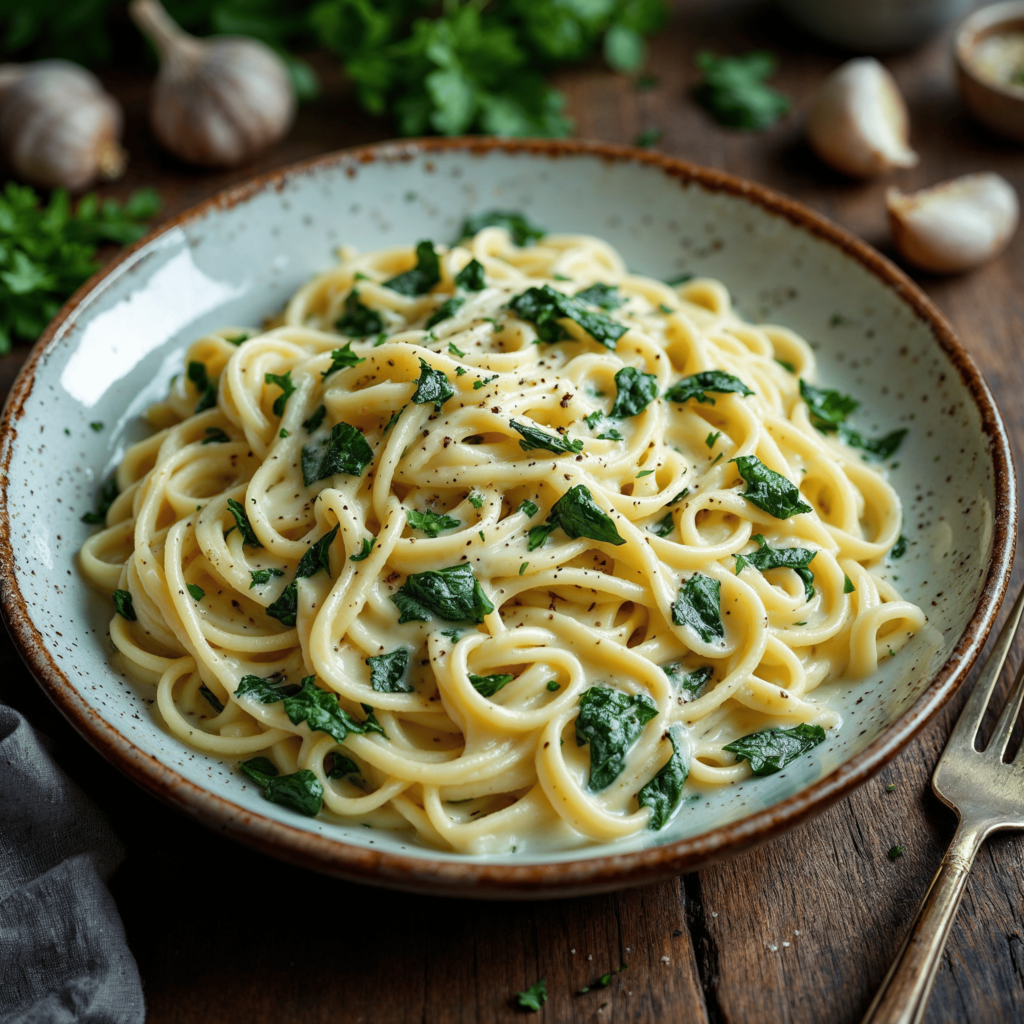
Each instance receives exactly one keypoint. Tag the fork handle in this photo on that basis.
(906, 988)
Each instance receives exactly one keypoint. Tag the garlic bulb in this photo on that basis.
(858, 121)
(216, 102)
(58, 128)
(956, 225)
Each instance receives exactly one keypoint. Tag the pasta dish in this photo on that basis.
(500, 543)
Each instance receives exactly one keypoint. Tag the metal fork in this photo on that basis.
(987, 794)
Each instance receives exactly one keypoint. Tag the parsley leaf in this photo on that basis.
(578, 515)
(899, 549)
(604, 295)
(453, 594)
(342, 358)
(534, 996)
(544, 305)
(768, 490)
(265, 690)
(697, 384)
(471, 276)
(635, 391)
(197, 592)
(261, 577)
(431, 523)
(664, 792)
(433, 386)
(123, 605)
(521, 230)
(368, 543)
(422, 277)
(610, 721)
(387, 671)
(358, 321)
(301, 791)
(698, 605)
(108, 493)
(284, 382)
(447, 308)
(848, 587)
(771, 750)
(528, 507)
(690, 683)
(534, 438)
(244, 526)
(313, 423)
(734, 93)
(766, 558)
(320, 710)
(344, 451)
(476, 500)
(196, 373)
(488, 686)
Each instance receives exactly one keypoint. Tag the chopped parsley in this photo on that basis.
(521, 230)
(454, 350)
(196, 373)
(123, 605)
(313, 423)
(214, 435)
(452, 593)
(284, 382)
(769, 491)
(368, 543)
(422, 277)
(690, 683)
(433, 386)
(528, 507)
(476, 500)
(635, 390)
(534, 996)
(358, 321)
(478, 384)
(712, 439)
(387, 671)
(553, 684)
(698, 605)
(734, 93)
(578, 515)
(244, 526)
(698, 384)
(341, 358)
(544, 306)
(610, 721)
(301, 791)
(261, 577)
(431, 523)
(771, 750)
(534, 438)
(604, 295)
(345, 450)
(447, 309)
(664, 793)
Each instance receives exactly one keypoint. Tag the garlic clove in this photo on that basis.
(858, 121)
(216, 102)
(956, 225)
(58, 127)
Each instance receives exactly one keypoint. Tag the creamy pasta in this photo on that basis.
(500, 543)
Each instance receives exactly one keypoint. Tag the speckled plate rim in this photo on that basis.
(566, 878)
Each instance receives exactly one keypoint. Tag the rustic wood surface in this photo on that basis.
(801, 929)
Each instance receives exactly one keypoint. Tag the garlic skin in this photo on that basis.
(956, 225)
(58, 127)
(858, 121)
(216, 102)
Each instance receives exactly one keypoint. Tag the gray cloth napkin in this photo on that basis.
(63, 955)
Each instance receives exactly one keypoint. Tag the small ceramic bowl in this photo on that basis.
(997, 105)
(236, 258)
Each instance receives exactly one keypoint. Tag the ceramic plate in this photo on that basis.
(236, 258)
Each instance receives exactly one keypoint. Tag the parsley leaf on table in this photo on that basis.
(733, 90)
(534, 996)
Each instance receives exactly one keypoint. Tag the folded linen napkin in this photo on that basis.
(63, 955)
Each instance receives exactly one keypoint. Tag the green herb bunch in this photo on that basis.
(46, 252)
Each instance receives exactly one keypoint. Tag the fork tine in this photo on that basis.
(1007, 717)
(967, 725)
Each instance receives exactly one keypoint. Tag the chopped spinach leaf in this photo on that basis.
(478, 384)
(314, 421)
(368, 543)
(534, 438)
(284, 382)
(521, 230)
(433, 386)
(301, 791)
(878, 449)
(604, 295)
(663, 527)
(544, 305)
(786, 365)
(394, 419)
(698, 605)
(827, 407)
(691, 683)
(488, 686)
(471, 276)
(765, 558)
(197, 592)
(771, 750)
(123, 605)
(712, 439)
(447, 309)
(679, 497)
(317, 556)
(344, 451)
(108, 493)
(431, 523)
(422, 277)
(244, 526)
(342, 358)
(265, 690)
(211, 698)
(261, 577)
(207, 388)
(610, 721)
(537, 535)
(553, 684)
(733, 90)
(214, 435)
(578, 515)
(635, 391)
(895, 852)
(342, 766)
(664, 793)
(768, 490)
(453, 594)
(387, 671)
(320, 710)
(358, 321)
(286, 607)
(697, 384)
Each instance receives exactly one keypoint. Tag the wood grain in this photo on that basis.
(801, 930)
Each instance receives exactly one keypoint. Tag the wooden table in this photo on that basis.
(801, 929)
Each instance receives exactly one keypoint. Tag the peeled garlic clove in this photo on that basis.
(858, 121)
(58, 128)
(956, 225)
(216, 102)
